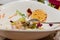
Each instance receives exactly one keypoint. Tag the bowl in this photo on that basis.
(10, 8)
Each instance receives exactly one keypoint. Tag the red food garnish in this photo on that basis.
(55, 2)
(39, 25)
(50, 24)
(56, 7)
(11, 21)
(29, 12)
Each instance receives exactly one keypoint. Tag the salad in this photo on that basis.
(23, 23)
(19, 20)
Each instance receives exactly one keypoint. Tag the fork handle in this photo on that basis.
(51, 22)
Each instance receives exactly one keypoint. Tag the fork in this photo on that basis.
(31, 20)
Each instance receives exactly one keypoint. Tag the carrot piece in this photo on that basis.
(0, 16)
(3, 15)
(59, 8)
(12, 16)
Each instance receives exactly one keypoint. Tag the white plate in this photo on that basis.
(8, 1)
(52, 14)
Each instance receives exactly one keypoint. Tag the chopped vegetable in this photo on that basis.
(50, 24)
(33, 26)
(2, 16)
(12, 16)
(41, 28)
(42, 1)
(29, 12)
(23, 15)
(51, 5)
(22, 19)
(39, 25)
(11, 21)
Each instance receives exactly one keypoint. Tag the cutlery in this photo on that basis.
(31, 20)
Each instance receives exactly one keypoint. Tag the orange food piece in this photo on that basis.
(12, 16)
(59, 8)
(39, 14)
(2, 16)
